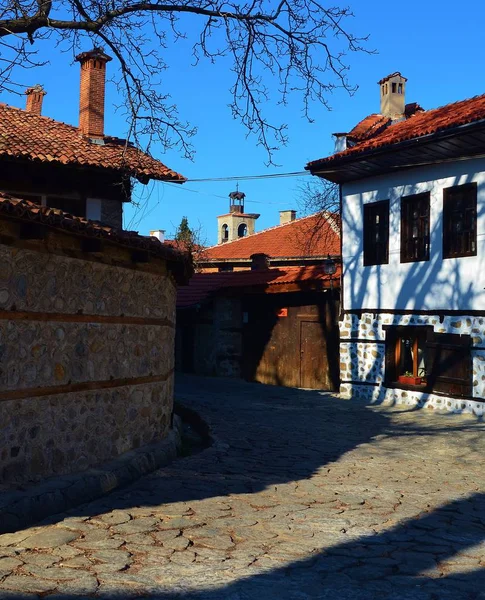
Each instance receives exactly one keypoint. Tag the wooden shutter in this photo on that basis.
(449, 363)
(390, 356)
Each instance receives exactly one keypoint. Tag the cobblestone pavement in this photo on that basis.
(302, 496)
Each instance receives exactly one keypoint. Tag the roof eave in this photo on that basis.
(333, 169)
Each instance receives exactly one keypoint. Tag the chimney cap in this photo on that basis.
(97, 53)
(395, 74)
(35, 89)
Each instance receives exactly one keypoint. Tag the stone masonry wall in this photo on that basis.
(362, 363)
(86, 361)
(218, 338)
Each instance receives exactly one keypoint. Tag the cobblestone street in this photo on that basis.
(301, 496)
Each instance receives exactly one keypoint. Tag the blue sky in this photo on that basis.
(436, 46)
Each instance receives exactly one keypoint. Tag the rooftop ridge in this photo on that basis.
(30, 136)
(423, 118)
(273, 227)
(31, 115)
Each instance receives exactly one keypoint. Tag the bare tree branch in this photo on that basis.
(297, 47)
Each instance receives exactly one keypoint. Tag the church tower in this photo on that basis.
(236, 223)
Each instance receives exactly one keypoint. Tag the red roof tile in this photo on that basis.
(203, 285)
(420, 124)
(316, 235)
(395, 74)
(31, 136)
(24, 210)
(368, 127)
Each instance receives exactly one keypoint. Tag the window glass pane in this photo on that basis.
(415, 227)
(459, 221)
(376, 233)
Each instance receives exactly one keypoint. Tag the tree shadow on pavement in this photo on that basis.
(436, 556)
(266, 437)
(263, 436)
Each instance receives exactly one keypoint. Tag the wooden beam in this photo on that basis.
(85, 386)
(91, 245)
(32, 231)
(14, 315)
(140, 256)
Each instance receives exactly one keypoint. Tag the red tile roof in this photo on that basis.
(316, 235)
(420, 124)
(203, 285)
(238, 214)
(24, 210)
(34, 137)
(368, 127)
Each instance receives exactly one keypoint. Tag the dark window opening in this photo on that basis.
(435, 362)
(376, 233)
(73, 206)
(242, 230)
(399, 88)
(394, 88)
(225, 233)
(460, 221)
(226, 269)
(415, 228)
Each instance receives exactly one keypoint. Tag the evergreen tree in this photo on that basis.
(184, 234)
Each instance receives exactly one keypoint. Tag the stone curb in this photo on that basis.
(22, 508)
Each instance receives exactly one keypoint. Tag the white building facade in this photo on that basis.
(412, 319)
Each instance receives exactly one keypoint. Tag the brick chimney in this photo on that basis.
(91, 100)
(35, 96)
(286, 216)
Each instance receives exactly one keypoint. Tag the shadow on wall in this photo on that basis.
(424, 279)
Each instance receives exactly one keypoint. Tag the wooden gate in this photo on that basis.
(292, 340)
(313, 356)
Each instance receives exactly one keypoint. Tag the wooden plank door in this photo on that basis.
(313, 356)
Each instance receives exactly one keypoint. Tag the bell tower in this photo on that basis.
(236, 223)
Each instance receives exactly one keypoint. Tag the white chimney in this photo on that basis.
(159, 234)
(286, 216)
(393, 90)
(340, 141)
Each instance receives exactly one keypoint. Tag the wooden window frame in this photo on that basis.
(453, 348)
(415, 249)
(376, 254)
(454, 245)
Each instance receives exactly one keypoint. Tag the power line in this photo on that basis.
(186, 189)
(249, 177)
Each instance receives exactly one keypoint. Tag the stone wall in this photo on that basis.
(362, 363)
(86, 357)
(218, 338)
(209, 338)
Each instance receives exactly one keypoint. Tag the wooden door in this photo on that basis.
(313, 356)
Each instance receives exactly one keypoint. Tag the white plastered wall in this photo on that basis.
(437, 284)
